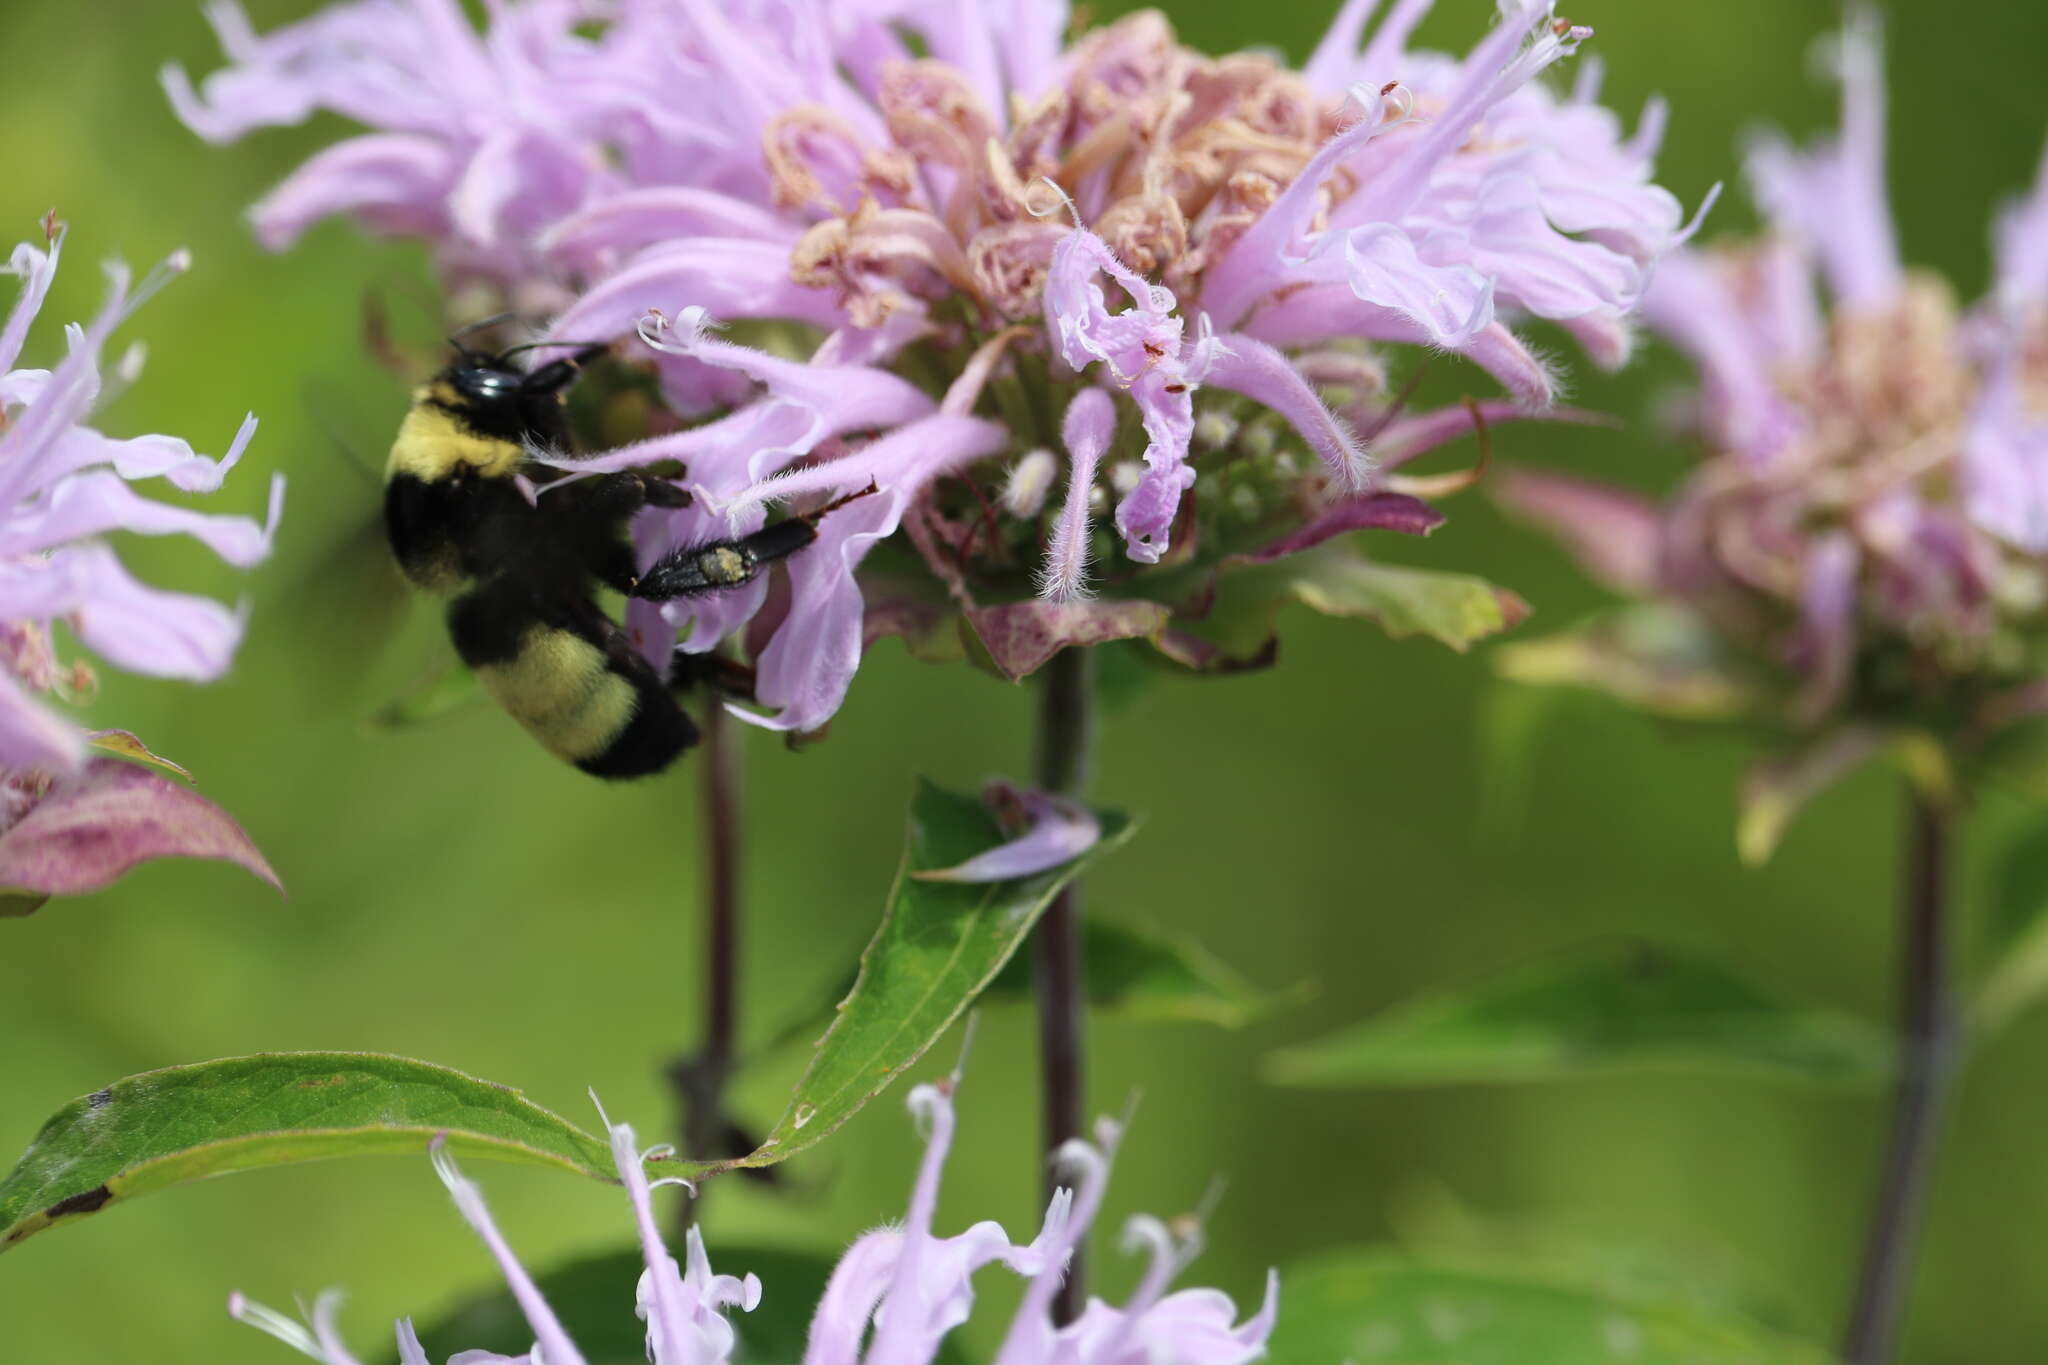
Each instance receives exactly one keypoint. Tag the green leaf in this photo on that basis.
(1618, 1005)
(939, 944)
(126, 745)
(1382, 1308)
(2017, 934)
(1452, 608)
(440, 693)
(1429, 1222)
(593, 1296)
(1655, 657)
(1777, 787)
(1148, 975)
(163, 1128)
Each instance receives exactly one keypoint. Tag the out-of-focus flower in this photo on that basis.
(1864, 541)
(955, 231)
(893, 1297)
(69, 821)
(1047, 831)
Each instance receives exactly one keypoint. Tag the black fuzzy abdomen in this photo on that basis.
(567, 673)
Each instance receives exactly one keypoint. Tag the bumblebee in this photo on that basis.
(520, 572)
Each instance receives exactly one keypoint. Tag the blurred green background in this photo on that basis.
(457, 895)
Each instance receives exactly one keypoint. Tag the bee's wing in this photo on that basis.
(344, 601)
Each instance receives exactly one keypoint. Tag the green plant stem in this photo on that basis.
(700, 1078)
(1065, 734)
(1928, 1048)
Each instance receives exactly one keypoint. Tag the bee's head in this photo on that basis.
(519, 405)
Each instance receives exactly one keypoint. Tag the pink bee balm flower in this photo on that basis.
(892, 1299)
(70, 823)
(1870, 524)
(944, 227)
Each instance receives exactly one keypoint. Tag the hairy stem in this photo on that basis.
(1928, 1048)
(701, 1076)
(1065, 732)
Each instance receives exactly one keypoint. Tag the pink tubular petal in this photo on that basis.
(33, 736)
(911, 454)
(1259, 1326)
(410, 1352)
(1145, 516)
(1505, 232)
(32, 444)
(35, 269)
(767, 434)
(858, 1283)
(1252, 266)
(645, 215)
(147, 457)
(1408, 438)
(1089, 427)
(1692, 305)
(1320, 312)
(2020, 242)
(906, 1304)
(137, 627)
(91, 828)
(94, 503)
(269, 1321)
(1248, 366)
(1451, 303)
(727, 277)
(2005, 461)
(1609, 340)
(1493, 72)
(1336, 52)
(806, 667)
(1078, 317)
(1060, 831)
(1379, 268)
(849, 397)
(1390, 39)
(550, 1340)
(325, 1307)
(1067, 1221)
(1826, 644)
(1833, 196)
(1614, 534)
(1366, 512)
(397, 183)
(669, 1333)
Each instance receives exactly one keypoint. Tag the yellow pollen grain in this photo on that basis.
(723, 566)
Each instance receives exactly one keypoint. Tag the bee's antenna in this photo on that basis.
(555, 374)
(480, 325)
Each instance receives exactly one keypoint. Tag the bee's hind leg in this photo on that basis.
(689, 570)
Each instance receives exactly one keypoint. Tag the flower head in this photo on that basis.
(70, 822)
(963, 242)
(895, 1294)
(1870, 525)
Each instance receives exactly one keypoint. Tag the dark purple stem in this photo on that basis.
(1928, 1048)
(700, 1077)
(1065, 732)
